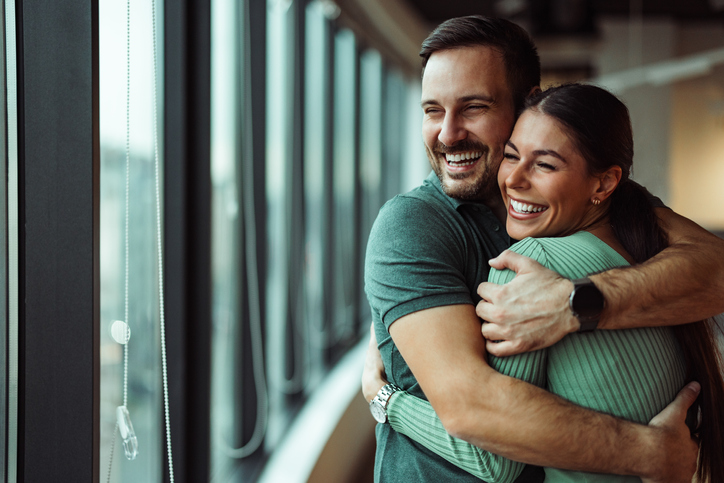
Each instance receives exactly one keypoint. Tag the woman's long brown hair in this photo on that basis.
(600, 127)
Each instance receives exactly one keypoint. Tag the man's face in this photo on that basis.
(468, 117)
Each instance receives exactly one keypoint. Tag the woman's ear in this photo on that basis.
(607, 182)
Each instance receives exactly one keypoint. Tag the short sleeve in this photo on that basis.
(415, 260)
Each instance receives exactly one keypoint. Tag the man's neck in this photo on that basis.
(496, 205)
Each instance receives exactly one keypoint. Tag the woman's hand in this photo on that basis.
(373, 375)
(680, 450)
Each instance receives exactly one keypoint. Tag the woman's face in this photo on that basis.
(544, 180)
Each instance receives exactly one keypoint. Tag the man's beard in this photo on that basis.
(482, 184)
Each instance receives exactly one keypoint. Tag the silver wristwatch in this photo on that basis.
(378, 406)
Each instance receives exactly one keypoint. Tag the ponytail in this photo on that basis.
(636, 227)
(634, 221)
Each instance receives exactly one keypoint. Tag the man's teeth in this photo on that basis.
(461, 159)
(522, 208)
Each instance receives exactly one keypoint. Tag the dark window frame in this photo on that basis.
(59, 200)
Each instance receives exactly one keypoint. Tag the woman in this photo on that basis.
(565, 183)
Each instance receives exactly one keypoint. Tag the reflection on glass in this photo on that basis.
(371, 154)
(346, 242)
(128, 244)
(318, 202)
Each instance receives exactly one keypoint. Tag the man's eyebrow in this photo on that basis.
(472, 97)
(477, 97)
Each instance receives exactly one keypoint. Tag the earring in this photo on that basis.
(596, 201)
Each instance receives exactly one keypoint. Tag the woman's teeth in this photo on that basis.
(522, 208)
(463, 159)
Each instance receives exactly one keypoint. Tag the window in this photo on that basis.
(129, 249)
(296, 187)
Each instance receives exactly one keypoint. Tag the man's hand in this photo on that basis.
(680, 451)
(373, 375)
(529, 313)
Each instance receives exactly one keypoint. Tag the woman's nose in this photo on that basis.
(517, 176)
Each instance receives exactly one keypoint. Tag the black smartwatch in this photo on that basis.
(586, 303)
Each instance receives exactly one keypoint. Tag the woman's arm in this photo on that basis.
(416, 419)
(682, 284)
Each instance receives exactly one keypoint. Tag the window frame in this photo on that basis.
(58, 209)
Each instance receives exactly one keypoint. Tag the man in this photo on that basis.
(429, 249)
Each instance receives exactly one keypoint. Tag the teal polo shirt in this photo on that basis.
(425, 250)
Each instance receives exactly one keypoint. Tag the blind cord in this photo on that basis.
(159, 245)
(123, 419)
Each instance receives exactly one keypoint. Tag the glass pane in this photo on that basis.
(371, 154)
(346, 241)
(227, 290)
(317, 171)
(4, 285)
(284, 350)
(129, 258)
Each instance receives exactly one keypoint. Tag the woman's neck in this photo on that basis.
(604, 232)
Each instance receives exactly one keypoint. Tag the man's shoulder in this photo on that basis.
(424, 198)
(424, 209)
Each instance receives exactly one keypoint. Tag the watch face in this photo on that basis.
(377, 411)
(587, 302)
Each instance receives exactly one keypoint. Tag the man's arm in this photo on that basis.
(682, 284)
(444, 350)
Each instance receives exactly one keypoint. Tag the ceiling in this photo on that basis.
(556, 17)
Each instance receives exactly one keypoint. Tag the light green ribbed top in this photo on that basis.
(632, 374)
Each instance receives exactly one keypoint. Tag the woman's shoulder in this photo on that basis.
(572, 256)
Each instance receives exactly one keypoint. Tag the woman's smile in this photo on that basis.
(544, 180)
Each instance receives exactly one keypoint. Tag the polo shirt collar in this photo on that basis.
(454, 202)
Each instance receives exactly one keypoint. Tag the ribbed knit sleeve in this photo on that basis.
(632, 374)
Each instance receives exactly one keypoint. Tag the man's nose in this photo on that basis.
(452, 130)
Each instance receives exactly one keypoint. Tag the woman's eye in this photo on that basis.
(546, 166)
(511, 156)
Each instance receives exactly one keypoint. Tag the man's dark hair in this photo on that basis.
(520, 56)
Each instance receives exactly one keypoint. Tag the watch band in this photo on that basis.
(586, 302)
(378, 405)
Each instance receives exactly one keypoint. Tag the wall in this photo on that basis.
(697, 135)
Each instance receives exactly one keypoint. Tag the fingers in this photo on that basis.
(514, 261)
(687, 396)
(502, 348)
(492, 331)
(489, 292)
(676, 410)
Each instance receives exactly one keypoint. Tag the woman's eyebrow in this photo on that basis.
(510, 143)
(549, 152)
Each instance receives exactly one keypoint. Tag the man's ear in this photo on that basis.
(607, 182)
(534, 91)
